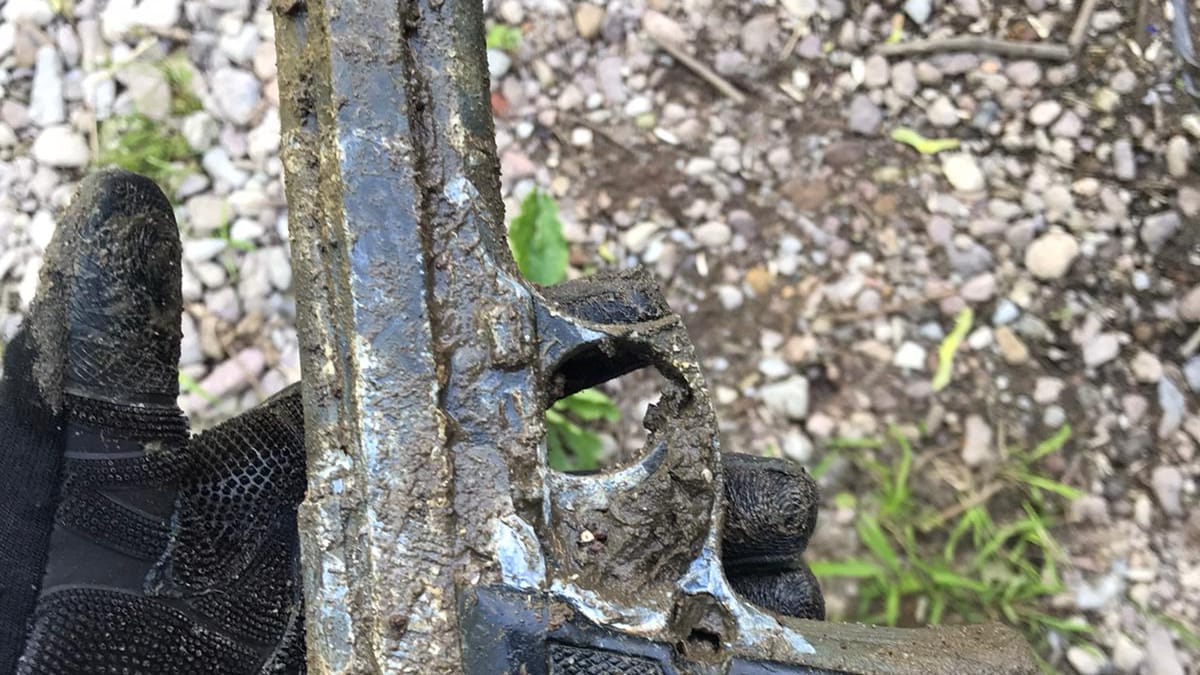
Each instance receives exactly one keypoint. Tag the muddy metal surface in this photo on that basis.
(428, 365)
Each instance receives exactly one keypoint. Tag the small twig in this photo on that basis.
(894, 308)
(719, 83)
(603, 133)
(793, 40)
(970, 43)
(978, 499)
(1191, 345)
(1140, 35)
(1082, 21)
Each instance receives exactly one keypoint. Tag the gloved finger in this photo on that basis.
(792, 591)
(103, 343)
(770, 511)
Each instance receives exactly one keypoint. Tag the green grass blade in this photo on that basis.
(949, 347)
(873, 537)
(847, 569)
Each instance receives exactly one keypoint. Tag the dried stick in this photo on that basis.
(719, 83)
(1079, 30)
(1029, 50)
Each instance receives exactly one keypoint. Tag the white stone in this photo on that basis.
(237, 94)
(963, 172)
(910, 356)
(46, 107)
(37, 12)
(788, 398)
(61, 146)
(1050, 255)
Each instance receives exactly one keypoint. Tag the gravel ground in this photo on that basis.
(818, 263)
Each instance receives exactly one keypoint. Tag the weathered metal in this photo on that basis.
(428, 364)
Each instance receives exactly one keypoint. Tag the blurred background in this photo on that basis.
(958, 282)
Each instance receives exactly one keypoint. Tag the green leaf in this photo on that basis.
(188, 383)
(898, 497)
(1053, 444)
(504, 37)
(875, 540)
(536, 239)
(949, 347)
(892, 606)
(589, 405)
(1042, 483)
(948, 579)
(847, 569)
(925, 146)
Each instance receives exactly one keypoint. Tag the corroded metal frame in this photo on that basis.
(428, 364)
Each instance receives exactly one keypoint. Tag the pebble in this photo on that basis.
(876, 72)
(1161, 657)
(904, 79)
(1179, 154)
(1127, 657)
(229, 377)
(46, 107)
(1124, 81)
(910, 356)
(1189, 305)
(1124, 165)
(1024, 74)
(61, 146)
(774, 367)
(36, 12)
(589, 20)
(787, 398)
(1100, 349)
(1174, 407)
(963, 172)
(237, 94)
(713, 235)
(1046, 390)
(1086, 660)
(498, 63)
(1044, 112)
(200, 250)
(797, 446)
(1189, 201)
(918, 10)
(218, 165)
(1167, 482)
(730, 296)
(977, 448)
(1191, 373)
(1069, 125)
(1012, 349)
(1157, 229)
(942, 113)
(980, 288)
(1005, 313)
(159, 14)
(1050, 255)
(1146, 367)
(863, 117)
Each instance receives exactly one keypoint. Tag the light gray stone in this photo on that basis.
(977, 447)
(46, 107)
(237, 94)
(788, 398)
(1050, 255)
(61, 146)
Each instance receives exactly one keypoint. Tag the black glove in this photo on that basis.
(126, 546)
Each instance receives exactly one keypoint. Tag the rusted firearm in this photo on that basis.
(435, 537)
